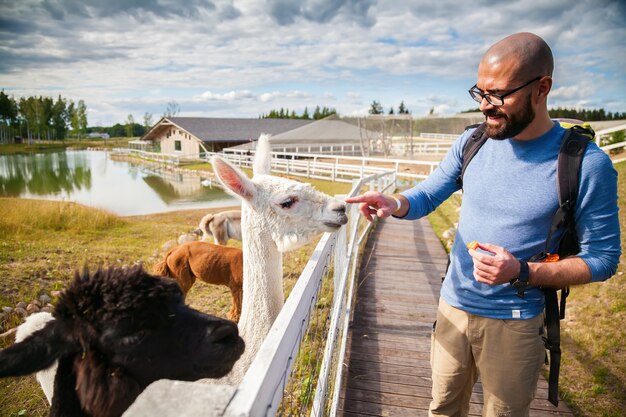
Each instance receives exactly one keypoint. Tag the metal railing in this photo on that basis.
(299, 367)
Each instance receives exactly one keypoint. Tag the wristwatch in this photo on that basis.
(521, 282)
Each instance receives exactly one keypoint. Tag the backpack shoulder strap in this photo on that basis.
(568, 166)
(571, 152)
(471, 147)
(570, 156)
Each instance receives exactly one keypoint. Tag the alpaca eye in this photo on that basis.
(134, 338)
(289, 202)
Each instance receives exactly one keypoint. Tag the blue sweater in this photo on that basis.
(509, 198)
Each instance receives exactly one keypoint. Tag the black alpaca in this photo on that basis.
(115, 332)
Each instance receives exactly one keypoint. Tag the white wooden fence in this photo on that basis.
(261, 389)
(327, 167)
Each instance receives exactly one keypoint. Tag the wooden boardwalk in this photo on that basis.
(389, 352)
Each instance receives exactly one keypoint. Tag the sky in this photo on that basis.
(231, 58)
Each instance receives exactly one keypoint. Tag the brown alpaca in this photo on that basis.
(214, 264)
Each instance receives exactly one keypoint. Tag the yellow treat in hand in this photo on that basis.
(472, 245)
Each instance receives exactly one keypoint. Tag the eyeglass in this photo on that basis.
(496, 99)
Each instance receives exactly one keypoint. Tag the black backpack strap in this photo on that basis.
(568, 168)
(470, 149)
(568, 172)
(552, 342)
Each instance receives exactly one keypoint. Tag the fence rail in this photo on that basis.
(326, 282)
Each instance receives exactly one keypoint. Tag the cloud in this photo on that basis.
(573, 92)
(61, 9)
(287, 12)
(230, 96)
(274, 95)
(240, 95)
(221, 58)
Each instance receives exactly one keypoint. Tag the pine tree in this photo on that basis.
(376, 108)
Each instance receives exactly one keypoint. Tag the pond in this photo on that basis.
(92, 178)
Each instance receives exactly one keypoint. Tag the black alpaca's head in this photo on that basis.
(115, 332)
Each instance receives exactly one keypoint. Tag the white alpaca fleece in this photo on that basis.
(34, 322)
(278, 215)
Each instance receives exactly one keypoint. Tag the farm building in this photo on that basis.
(326, 136)
(191, 137)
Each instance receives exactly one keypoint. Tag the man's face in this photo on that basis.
(504, 122)
(518, 110)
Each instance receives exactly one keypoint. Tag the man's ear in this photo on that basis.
(234, 181)
(36, 352)
(545, 86)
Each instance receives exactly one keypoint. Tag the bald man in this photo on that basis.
(509, 198)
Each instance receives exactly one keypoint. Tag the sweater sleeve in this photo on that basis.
(597, 220)
(434, 190)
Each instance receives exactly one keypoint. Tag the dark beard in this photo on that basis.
(514, 124)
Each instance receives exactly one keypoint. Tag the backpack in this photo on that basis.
(570, 156)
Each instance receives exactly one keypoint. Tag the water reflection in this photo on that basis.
(43, 174)
(91, 178)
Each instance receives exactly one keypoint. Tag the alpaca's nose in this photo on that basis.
(224, 333)
(339, 207)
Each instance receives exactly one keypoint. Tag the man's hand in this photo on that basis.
(496, 269)
(373, 202)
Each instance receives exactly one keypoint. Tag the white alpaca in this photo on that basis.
(278, 215)
(34, 322)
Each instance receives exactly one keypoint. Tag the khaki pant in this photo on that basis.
(507, 354)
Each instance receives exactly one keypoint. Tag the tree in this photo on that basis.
(402, 109)
(73, 118)
(323, 113)
(81, 118)
(376, 108)
(130, 121)
(317, 113)
(28, 108)
(8, 117)
(305, 114)
(59, 118)
(147, 121)
(172, 109)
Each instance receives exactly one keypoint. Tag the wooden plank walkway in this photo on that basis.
(389, 351)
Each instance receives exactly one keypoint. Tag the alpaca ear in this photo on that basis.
(65, 400)
(263, 156)
(103, 389)
(234, 181)
(36, 352)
